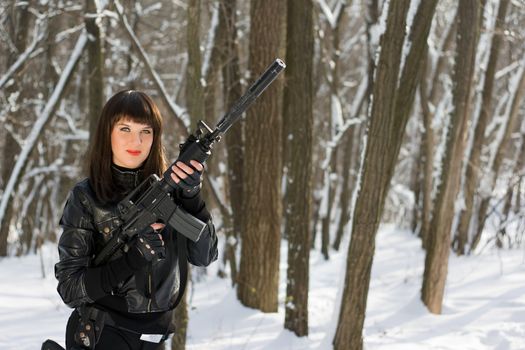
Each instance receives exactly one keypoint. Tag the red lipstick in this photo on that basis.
(133, 153)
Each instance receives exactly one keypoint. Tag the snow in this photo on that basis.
(484, 305)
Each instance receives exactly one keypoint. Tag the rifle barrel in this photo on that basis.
(256, 89)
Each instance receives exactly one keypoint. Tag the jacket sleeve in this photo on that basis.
(75, 248)
(204, 251)
(78, 281)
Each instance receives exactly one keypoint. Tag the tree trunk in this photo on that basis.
(427, 154)
(326, 208)
(298, 102)
(416, 185)
(95, 68)
(331, 172)
(370, 200)
(473, 165)
(436, 261)
(389, 115)
(429, 97)
(259, 266)
(44, 224)
(516, 99)
(352, 159)
(372, 17)
(39, 125)
(235, 137)
(180, 321)
(194, 88)
(194, 101)
(345, 192)
(19, 30)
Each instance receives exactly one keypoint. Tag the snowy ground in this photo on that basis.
(484, 304)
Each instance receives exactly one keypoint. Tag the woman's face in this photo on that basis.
(130, 143)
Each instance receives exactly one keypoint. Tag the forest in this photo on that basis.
(402, 112)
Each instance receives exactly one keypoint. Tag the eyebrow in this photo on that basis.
(128, 125)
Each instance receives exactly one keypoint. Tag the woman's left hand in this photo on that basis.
(189, 178)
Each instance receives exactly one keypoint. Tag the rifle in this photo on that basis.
(151, 201)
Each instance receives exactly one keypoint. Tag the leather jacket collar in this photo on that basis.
(127, 179)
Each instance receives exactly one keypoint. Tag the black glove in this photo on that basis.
(191, 185)
(146, 247)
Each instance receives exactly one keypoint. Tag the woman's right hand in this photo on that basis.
(148, 246)
(188, 177)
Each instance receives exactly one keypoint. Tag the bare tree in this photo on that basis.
(194, 100)
(298, 109)
(44, 116)
(259, 266)
(235, 136)
(360, 254)
(352, 144)
(436, 260)
(517, 95)
(333, 78)
(18, 26)
(473, 165)
(95, 65)
(393, 97)
(429, 97)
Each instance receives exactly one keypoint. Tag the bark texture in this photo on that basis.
(374, 185)
(392, 100)
(436, 260)
(298, 109)
(259, 266)
(474, 162)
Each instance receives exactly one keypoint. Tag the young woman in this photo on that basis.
(126, 303)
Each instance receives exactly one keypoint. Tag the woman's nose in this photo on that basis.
(137, 138)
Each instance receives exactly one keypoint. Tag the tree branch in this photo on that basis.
(37, 38)
(44, 116)
(178, 112)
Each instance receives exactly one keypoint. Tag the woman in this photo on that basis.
(127, 302)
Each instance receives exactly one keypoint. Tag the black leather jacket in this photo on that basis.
(88, 224)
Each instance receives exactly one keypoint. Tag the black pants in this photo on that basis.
(112, 338)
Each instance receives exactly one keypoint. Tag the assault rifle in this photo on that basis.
(151, 201)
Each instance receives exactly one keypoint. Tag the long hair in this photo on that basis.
(139, 108)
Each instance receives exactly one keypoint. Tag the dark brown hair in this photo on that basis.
(139, 108)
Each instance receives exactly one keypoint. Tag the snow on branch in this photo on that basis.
(56, 167)
(332, 16)
(179, 113)
(37, 38)
(210, 40)
(354, 109)
(43, 118)
(517, 82)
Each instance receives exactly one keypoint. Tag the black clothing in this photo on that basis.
(136, 298)
(112, 338)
